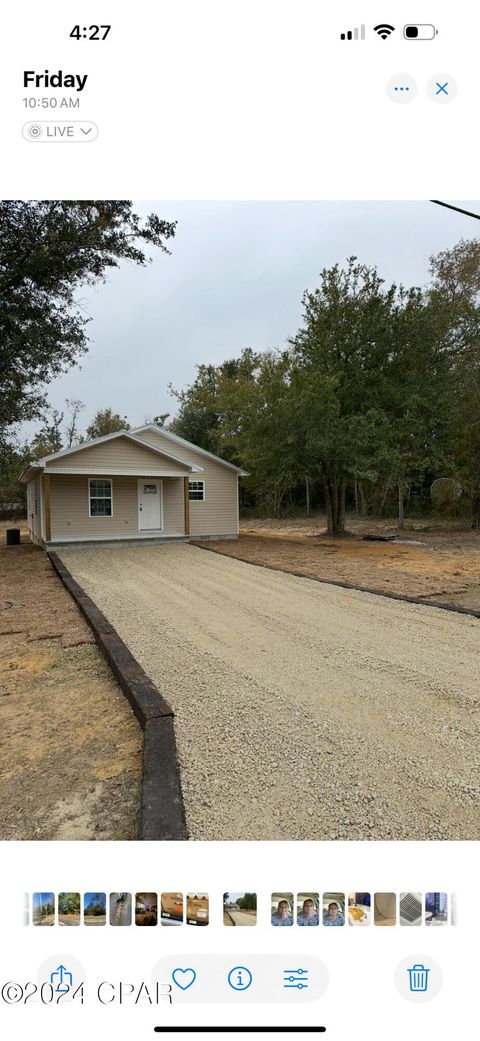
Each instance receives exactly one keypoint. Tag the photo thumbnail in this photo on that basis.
(436, 908)
(198, 909)
(120, 909)
(333, 909)
(282, 909)
(95, 909)
(308, 909)
(239, 909)
(68, 909)
(171, 908)
(43, 909)
(359, 909)
(146, 908)
(410, 909)
(385, 909)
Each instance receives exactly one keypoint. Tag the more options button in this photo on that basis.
(402, 88)
(54, 131)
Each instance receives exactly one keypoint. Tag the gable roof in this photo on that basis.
(129, 435)
(188, 444)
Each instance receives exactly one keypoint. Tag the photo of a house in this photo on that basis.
(145, 484)
(240, 909)
(239, 473)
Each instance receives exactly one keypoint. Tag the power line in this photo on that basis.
(458, 209)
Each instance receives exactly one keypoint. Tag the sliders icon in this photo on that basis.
(297, 978)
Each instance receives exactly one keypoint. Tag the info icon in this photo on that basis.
(402, 88)
(240, 978)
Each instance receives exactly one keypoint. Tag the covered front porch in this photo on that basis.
(95, 507)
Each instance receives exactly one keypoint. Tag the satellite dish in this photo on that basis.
(445, 490)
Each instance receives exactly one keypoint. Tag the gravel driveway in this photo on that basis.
(303, 711)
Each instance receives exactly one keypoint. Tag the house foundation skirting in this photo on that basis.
(213, 538)
(131, 540)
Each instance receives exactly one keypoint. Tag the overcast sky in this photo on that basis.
(235, 279)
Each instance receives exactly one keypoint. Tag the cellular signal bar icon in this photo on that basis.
(354, 34)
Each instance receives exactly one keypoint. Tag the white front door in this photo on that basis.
(150, 505)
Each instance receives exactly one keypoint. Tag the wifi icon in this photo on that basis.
(384, 30)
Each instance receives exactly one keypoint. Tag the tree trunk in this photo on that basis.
(476, 489)
(307, 494)
(277, 501)
(334, 489)
(341, 507)
(401, 513)
(384, 497)
(328, 504)
(363, 500)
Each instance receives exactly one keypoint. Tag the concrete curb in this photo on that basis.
(345, 585)
(163, 814)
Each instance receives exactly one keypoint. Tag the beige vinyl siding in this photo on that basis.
(218, 514)
(34, 509)
(69, 503)
(118, 454)
(173, 509)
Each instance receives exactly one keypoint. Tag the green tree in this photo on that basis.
(14, 457)
(378, 391)
(161, 420)
(263, 428)
(338, 357)
(412, 429)
(72, 434)
(48, 250)
(248, 902)
(204, 415)
(198, 416)
(96, 905)
(455, 296)
(105, 421)
(48, 438)
(69, 903)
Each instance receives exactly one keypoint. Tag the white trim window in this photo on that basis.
(196, 491)
(100, 499)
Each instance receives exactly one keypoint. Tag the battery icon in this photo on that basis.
(420, 32)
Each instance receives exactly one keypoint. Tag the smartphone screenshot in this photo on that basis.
(239, 520)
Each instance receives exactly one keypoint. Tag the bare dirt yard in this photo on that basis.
(70, 747)
(303, 711)
(435, 562)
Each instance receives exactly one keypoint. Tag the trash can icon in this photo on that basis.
(418, 976)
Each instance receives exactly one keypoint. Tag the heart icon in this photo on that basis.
(184, 978)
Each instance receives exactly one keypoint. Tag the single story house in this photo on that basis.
(132, 485)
